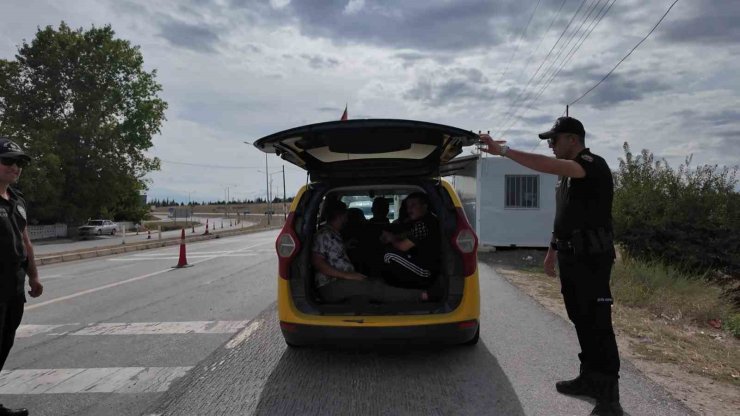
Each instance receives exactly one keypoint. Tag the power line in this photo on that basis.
(544, 34)
(517, 100)
(519, 44)
(568, 56)
(626, 56)
(574, 49)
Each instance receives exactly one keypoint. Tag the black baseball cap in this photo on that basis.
(10, 149)
(564, 125)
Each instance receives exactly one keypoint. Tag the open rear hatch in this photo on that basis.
(369, 148)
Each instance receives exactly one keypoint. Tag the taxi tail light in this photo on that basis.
(287, 246)
(288, 327)
(466, 243)
(467, 324)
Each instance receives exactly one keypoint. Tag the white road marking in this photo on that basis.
(25, 331)
(123, 282)
(243, 336)
(162, 328)
(90, 380)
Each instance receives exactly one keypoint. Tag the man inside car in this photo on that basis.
(413, 261)
(336, 278)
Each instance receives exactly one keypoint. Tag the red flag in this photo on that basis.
(344, 115)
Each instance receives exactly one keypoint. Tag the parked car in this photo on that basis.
(391, 158)
(98, 227)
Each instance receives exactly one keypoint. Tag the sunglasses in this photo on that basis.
(10, 161)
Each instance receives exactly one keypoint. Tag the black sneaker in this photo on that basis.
(4, 411)
(607, 396)
(582, 385)
(608, 409)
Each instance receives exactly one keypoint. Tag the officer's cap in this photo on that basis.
(10, 149)
(564, 125)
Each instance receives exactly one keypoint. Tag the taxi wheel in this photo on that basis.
(475, 338)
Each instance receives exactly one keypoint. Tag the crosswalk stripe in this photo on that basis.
(135, 328)
(89, 380)
(162, 328)
(25, 331)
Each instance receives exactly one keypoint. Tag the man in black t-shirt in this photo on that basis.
(413, 260)
(582, 244)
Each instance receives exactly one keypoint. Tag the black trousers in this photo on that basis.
(588, 301)
(402, 270)
(11, 313)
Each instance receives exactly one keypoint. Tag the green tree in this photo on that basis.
(83, 106)
(689, 217)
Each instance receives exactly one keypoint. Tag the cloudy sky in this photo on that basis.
(237, 70)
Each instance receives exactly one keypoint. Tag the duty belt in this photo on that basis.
(562, 245)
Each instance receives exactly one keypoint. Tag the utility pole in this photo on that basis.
(267, 185)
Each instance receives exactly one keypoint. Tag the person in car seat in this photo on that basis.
(413, 259)
(352, 234)
(336, 278)
(371, 248)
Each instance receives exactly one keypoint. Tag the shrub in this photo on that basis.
(689, 218)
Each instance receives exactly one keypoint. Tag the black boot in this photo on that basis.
(579, 386)
(607, 397)
(4, 411)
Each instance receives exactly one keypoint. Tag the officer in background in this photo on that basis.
(16, 253)
(583, 245)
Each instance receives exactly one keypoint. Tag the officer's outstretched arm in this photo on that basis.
(540, 163)
(546, 164)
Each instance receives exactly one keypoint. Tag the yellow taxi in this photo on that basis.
(356, 161)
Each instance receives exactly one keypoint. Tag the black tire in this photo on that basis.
(100, 232)
(475, 338)
(113, 231)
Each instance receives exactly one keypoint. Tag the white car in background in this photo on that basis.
(98, 227)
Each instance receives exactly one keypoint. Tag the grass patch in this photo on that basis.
(667, 292)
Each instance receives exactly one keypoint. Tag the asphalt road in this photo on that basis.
(126, 335)
(109, 335)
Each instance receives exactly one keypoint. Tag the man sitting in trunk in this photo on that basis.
(336, 278)
(413, 261)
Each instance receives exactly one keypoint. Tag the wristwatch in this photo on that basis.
(504, 149)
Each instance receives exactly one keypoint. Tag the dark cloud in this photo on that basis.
(199, 38)
(618, 88)
(710, 22)
(722, 118)
(328, 109)
(439, 25)
(457, 86)
(706, 120)
(320, 62)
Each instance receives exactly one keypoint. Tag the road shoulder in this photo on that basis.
(701, 394)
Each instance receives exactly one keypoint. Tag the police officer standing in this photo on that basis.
(16, 253)
(583, 245)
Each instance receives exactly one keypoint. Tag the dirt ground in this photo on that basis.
(705, 395)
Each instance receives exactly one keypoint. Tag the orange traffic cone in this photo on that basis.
(183, 261)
